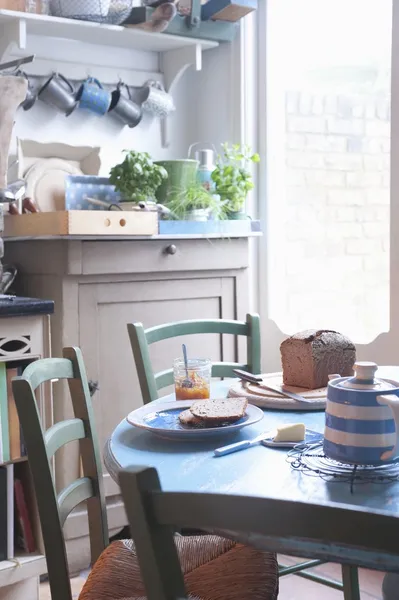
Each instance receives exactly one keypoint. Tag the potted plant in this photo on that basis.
(232, 178)
(137, 178)
(193, 204)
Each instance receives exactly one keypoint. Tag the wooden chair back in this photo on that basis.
(332, 532)
(42, 445)
(141, 339)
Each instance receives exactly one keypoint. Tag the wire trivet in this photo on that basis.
(311, 460)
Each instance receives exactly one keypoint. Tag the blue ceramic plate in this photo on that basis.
(162, 418)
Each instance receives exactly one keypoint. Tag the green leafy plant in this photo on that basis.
(194, 197)
(232, 177)
(137, 178)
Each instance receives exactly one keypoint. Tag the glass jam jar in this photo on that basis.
(197, 385)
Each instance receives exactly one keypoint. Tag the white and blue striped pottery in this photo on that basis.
(360, 422)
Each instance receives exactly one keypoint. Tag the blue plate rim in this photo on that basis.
(255, 417)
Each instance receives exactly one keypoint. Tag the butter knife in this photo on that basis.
(258, 380)
(242, 445)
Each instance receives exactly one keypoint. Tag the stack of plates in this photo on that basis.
(45, 183)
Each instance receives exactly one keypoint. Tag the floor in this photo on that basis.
(291, 586)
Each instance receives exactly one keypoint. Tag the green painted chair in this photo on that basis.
(114, 562)
(151, 383)
(287, 526)
(141, 339)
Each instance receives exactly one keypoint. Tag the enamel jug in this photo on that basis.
(362, 418)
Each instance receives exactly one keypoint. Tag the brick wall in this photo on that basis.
(336, 218)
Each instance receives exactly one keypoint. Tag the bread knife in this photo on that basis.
(258, 380)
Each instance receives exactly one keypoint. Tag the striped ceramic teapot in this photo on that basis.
(362, 418)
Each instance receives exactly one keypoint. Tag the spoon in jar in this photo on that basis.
(187, 383)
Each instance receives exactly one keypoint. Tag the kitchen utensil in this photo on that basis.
(206, 160)
(7, 279)
(14, 191)
(162, 419)
(362, 418)
(28, 206)
(17, 62)
(85, 10)
(154, 99)
(187, 381)
(118, 12)
(31, 96)
(258, 380)
(59, 93)
(93, 97)
(241, 445)
(267, 399)
(123, 107)
(159, 20)
(45, 183)
(107, 205)
(12, 93)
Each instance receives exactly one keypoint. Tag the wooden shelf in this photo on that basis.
(177, 52)
(23, 567)
(19, 24)
(21, 459)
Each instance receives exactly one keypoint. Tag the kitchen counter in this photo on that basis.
(165, 236)
(100, 284)
(19, 306)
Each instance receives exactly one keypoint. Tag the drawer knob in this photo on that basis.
(172, 249)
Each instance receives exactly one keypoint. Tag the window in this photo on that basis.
(328, 165)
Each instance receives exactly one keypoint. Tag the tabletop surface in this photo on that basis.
(257, 471)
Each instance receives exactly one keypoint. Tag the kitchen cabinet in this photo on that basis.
(98, 287)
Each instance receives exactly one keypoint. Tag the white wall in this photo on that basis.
(203, 101)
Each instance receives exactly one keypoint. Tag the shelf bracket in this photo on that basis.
(11, 35)
(174, 63)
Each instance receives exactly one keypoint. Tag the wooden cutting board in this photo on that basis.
(266, 399)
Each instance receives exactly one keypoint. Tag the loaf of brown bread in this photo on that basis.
(309, 357)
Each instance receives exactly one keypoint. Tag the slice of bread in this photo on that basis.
(225, 410)
(186, 417)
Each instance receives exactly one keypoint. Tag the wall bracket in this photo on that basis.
(173, 64)
(12, 36)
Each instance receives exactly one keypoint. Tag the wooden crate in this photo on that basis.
(81, 222)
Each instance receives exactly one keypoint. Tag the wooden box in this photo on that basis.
(81, 222)
(227, 10)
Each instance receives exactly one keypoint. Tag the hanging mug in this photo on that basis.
(154, 99)
(31, 96)
(92, 96)
(123, 107)
(59, 92)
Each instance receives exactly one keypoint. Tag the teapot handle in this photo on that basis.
(392, 401)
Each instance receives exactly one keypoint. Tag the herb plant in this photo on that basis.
(137, 178)
(231, 176)
(193, 198)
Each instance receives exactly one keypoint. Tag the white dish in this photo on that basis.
(162, 419)
(45, 183)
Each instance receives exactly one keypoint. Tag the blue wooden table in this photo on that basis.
(258, 471)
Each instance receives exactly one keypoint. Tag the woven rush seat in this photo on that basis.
(214, 569)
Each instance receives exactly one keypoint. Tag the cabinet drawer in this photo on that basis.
(151, 256)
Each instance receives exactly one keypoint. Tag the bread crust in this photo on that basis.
(310, 356)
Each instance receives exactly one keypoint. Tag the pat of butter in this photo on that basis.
(294, 432)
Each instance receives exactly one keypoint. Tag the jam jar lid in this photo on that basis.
(365, 379)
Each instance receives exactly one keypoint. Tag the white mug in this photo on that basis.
(154, 99)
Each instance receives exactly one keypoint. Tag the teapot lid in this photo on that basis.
(365, 379)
